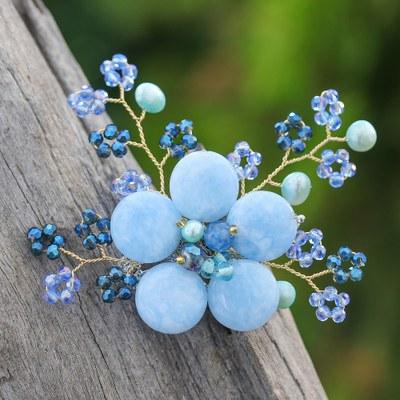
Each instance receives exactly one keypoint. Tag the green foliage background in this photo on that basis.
(236, 67)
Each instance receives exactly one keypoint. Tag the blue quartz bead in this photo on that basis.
(103, 281)
(170, 299)
(336, 180)
(109, 295)
(345, 253)
(103, 224)
(217, 236)
(90, 242)
(49, 230)
(266, 224)
(150, 98)
(248, 300)
(284, 142)
(361, 136)
(189, 141)
(119, 149)
(104, 150)
(34, 233)
(166, 141)
(104, 238)
(204, 186)
(295, 188)
(193, 231)
(53, 252)
(356, 274)
(89, 216)
(124, 136)
(186, 126)
(143, 227)
(37, 248)
(95, 138)
(177, 151)
(110, 131)
(130, 280)
(341, 276)
(298, 146)
(287, 294)
(125, 293)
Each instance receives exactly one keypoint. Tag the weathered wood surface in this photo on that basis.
(90, 350)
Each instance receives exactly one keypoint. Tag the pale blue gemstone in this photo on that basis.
(348, 170)
(248, 300)
(287, 294)
(323, 313)
(171, 299)
(266, 223)
(316, 299)
(143, 227)
(321, 118)
(338, 315)
(324, 171)
(336, 180)
(334, 123)
(318, 103)
(234, 159)
(336, 108)
(204, 186)
(361, 136)
(254, 158)
(150, 97)
(296, 187)
(192, 231)
(217, 236)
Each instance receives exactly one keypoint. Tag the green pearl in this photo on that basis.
(287, 294)
(193, 231)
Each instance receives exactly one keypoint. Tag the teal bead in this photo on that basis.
(361, 136)
(287, 294)
(150, 98)
(193, 231)
(296, 188)
(207, 268)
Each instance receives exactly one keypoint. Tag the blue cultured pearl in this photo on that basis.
(125, 293)
(248, 300)
(34, 233)
(119, 149)
(49, 230)
(37, 248)
(170, 299)
(189, 141)
(104, 150)
(143, 227)
(296, 188)
(124, 136)
(95, 138)
(53, 252)
(89, 216)
(287, 294)
(217, 236)
(193, 231)
(150, 97)
(204, 186)
(361, 136)
(110, 131)
(266, 223)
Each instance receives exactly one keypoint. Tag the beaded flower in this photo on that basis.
(210, 242)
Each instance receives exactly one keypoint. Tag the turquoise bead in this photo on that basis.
(193, 231)
(361, 136)
(171, 299)
(295, 188)
(143, 227)
(248, 300)
(150, 98)
(266, 225)
(204, 186)
(287, 294)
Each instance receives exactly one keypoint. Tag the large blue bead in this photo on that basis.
(150, 97)
(361, 136)
(171, 299)
(296, 187)
(248, 300)
(143, 227)
(204, 186)
(266, 225)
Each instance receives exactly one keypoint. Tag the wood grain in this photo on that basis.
(91, 350)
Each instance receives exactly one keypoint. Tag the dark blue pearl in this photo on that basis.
(166, 141)
(186, 126)
(280, 128)
(104, 150)
(82, 230)
(341, 276)
(110, 131)
(95, 138)
(103, 224)
(109, 295)
(103, 281)
(172, 129)
(284, 142)
(53, 252)
(34, 233)
(104, 238)
(124, 136)
(189, 141)
(130, 280)
(37, 248)
(49, 230)
(345, 253)
(177, 151)
(59, 240)
(119, 149)
(298, 146)
(294, 120)
(89, 216)
(125, 293)
(90, 242)
(305, 133)
(116, 274)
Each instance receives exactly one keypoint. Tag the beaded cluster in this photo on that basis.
(210, 247)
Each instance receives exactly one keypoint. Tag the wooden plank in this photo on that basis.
(91, 350)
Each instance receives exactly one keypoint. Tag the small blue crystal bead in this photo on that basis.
(217, 236)
(204, 186)
(248, 300)
(266, 224)
(287, 294)
(361, 136)
(34, 233)
(150, 97)
(296, 188)
(143, 227)
(170, 299)
(90, 242)
(193, 231)
(104, 150)
(37, 248)
(53, 252)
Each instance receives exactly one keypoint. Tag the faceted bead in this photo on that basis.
(59, 240)
(333, 262)
(130, 280)
(204, 186)
(172, 129)
(361, 136)
(341, 276)
(89, 216)
(207, 268)
(104, 150)
(144, 182)
(318, 103)
(321, 118)
(234, 158)
(336, 180)
(304, 133)
(97, 107)
(338, 315)
(186, 126)
(323, 171)
(328, 157)
(334, 123)
(189, 141)
(294, 252)
(171, 299)
(224, 271)
(177, 151)
(323, 313)
(127, 83)
(316, 299)
(342, 300)
(53, 252)
(248, 300)
(129, 70)
(243, 149)
(116, 273)
(331, 96)
(51, 281)
(112, 78)
(166, 141)
(150, 97)
(316, 235)
(193, 255)
(124, 136)
(119, 60)
(284, 142)
(250, 172)
(217, 236)
(298, 146)
(356, 274)
(266, 225)
(336, 108)
(305, 260)
(348, 170)
(111, 131)
(294, 120)
(73, 285)
(301, 238)
(90, 242)
(345, 253)
(95, 138)
(67, 297)
(104, 238)
(82, 230)
(359, 259)
(254, 158)
(103, 281)
(101, 95)
(296, 188)
(37, 248)
(64, 273)
(50, 297)
(342, 156)
(287, 294)
(49, 230)
(281, 128)
(119, 149)
(192, 231)
(34, 233)
(125, 293)
(103, 224)
(109, 295)
(329, 293)
(318, 252)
